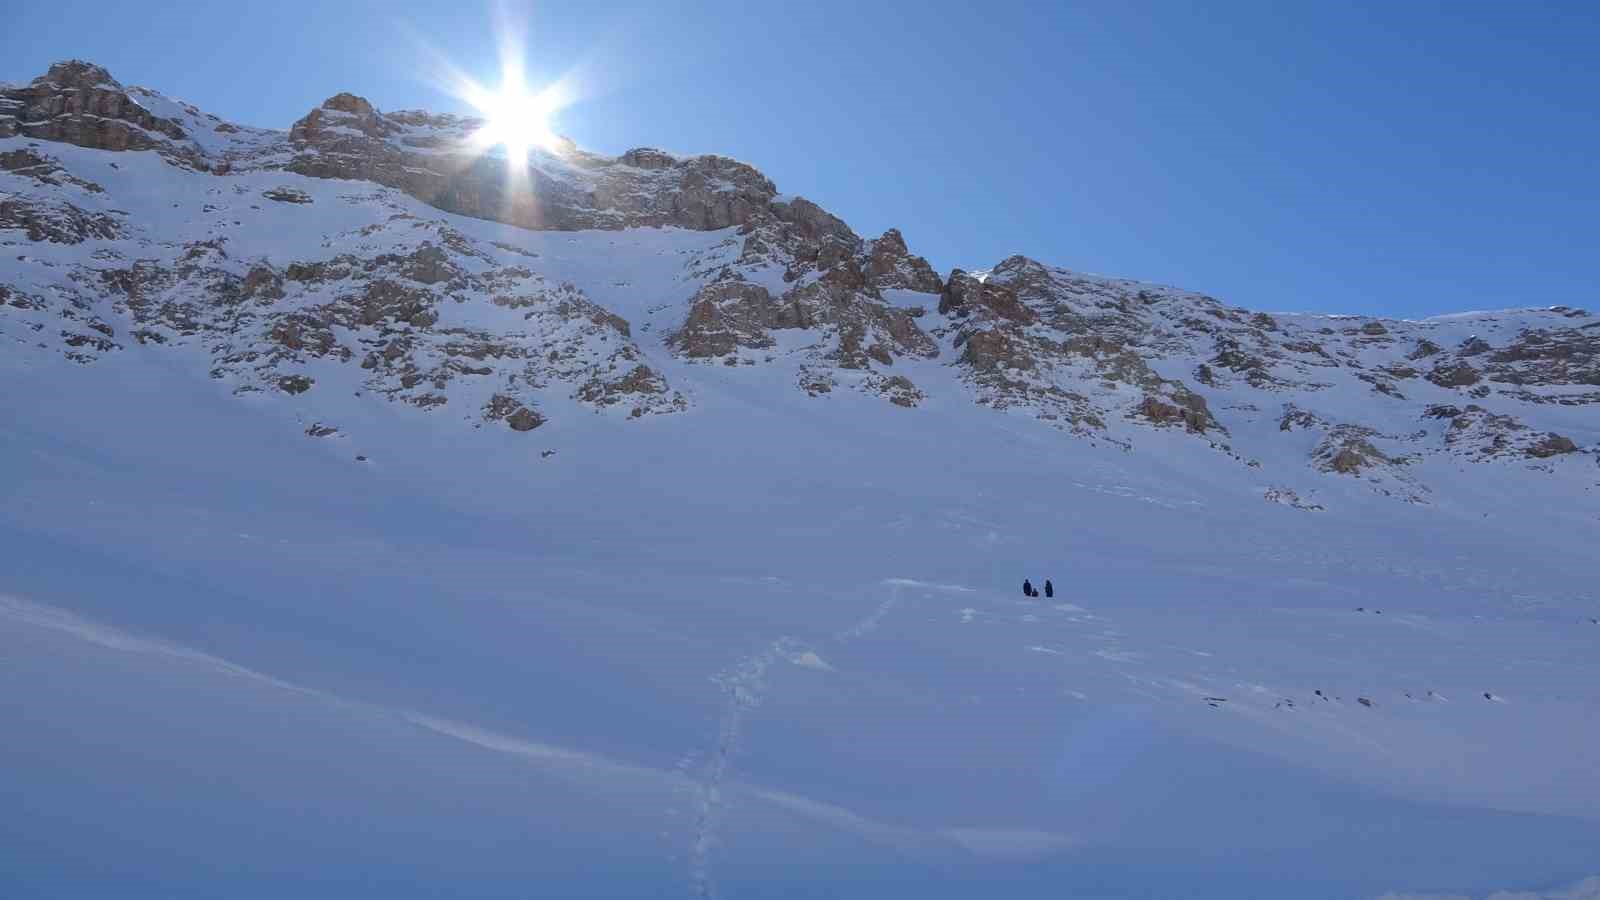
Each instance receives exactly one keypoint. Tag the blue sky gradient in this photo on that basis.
(1402, 159)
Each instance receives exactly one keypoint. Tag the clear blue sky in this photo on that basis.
(1399, 158)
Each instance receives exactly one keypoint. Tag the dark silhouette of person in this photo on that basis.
(1027, 588)
(1049, 589)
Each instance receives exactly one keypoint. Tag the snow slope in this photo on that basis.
(765, 644)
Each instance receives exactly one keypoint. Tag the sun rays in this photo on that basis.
(516, 119)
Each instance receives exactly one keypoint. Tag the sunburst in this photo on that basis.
(516, 118)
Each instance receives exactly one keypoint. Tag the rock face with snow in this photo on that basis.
(80, 103)
(417, 307)
(433, 158)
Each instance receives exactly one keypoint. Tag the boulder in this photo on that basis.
(1551, 444)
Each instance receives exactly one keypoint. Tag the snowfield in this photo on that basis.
(759, 642)
(769, 643)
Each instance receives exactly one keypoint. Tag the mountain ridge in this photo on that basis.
(432, 316)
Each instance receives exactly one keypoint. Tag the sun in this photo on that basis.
(515, 118)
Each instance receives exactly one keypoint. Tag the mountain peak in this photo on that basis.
(78, 102)
(78, 73)
(344, 101)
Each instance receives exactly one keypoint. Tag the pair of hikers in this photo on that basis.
(1028, 590)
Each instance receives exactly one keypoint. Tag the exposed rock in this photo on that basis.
(432, 158)
(1555, 356)
(1551, 444)
(1481, 435)
(1186, 408)
(1454, 375)
(1348, 450)
(789, 284)
(816, 382)
(80, 103)
(1288, 497)
(1425, 348)
(524, 419)
(648, 158)
(813, 221)
(891, 265)
(1294, 417)
(1230, 356)
(966, 295)
(287, 195)
(44, 170)
(993, 350)
(56, 221)
(295, 384)
(900, 391)
(640, 380)
(727, 315)
(731, 314)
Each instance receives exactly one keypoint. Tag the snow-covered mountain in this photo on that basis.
(382, 515)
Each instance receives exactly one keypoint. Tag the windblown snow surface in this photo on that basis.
(771, 646)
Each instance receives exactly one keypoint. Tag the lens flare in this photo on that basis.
(515, 118)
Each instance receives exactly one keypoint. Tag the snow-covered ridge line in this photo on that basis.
(401, 293)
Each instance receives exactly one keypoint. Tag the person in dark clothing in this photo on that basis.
(1049, 589)
(1027, 588)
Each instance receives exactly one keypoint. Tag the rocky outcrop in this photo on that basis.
(725, 316)
(434, 158)
(1551, 444)
(80, 103)
(899, 390)
(396, 321)
(503, 408)
(1481, 435)
(891, 266)
(417, 312)
(966, 295)
(1181, 407)
(1348, 450)
(56, 221)
(803, 276)
(43, 170)
(1454, 375)
(1548, 356)
(1072, 348)
(1289, 497)
(1296, 419)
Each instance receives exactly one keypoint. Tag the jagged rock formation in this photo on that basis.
(432, 157)
(80, 103)
(443, 322)
(384, 296)
(801, 270)
(1477, 433)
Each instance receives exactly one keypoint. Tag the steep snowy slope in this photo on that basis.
(354, 544)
